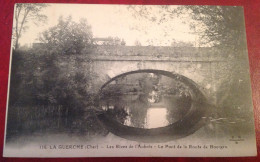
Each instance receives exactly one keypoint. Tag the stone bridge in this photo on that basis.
(207, 67)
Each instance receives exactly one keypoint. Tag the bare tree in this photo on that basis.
(23, 13)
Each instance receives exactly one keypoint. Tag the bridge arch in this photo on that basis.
(192, 121)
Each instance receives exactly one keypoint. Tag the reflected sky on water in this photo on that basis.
(156, 117)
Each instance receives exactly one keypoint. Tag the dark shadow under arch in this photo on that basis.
(191, 122)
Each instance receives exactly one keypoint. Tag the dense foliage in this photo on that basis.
(51, 83)
(68, 37)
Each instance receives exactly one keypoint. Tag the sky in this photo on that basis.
(115, 21)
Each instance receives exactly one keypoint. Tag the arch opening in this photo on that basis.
(151, 105)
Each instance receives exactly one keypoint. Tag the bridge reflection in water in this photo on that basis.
(137, 111)
(151, 106)
(146, 100)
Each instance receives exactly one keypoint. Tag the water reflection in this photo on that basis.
(146, 100)
(156, 117)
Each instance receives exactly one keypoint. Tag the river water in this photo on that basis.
(146, 100)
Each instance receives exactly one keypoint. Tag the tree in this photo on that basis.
(218, 25)
(23, 13)
(223, 26)
(50, 76)
(65, 85)
(215, 25)
(68, 37)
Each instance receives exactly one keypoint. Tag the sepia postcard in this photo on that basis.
(129, 81)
